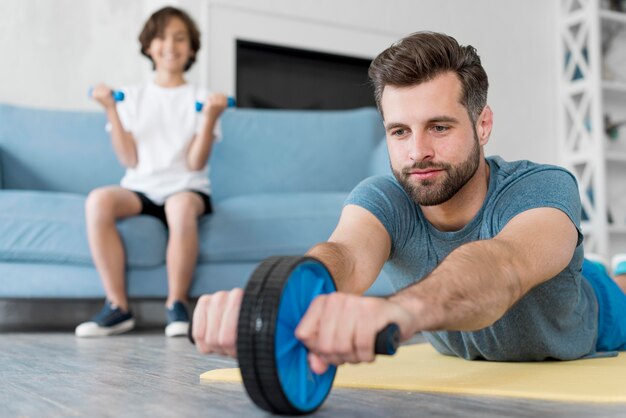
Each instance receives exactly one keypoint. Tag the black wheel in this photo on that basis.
(273, 362)
(246, 329)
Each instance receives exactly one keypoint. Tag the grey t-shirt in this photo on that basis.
(557, 319)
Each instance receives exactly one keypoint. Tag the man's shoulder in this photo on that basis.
(380, 195)
(507, 171)
(382, 185)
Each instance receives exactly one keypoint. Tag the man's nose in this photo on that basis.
(420, 148)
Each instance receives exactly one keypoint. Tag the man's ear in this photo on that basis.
(484, 125)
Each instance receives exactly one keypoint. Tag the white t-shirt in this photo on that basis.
(163, 122)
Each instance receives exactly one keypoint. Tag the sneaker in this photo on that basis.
(109, 321)
(618, 264)
(177, 320)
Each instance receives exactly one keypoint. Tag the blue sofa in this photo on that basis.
(279, 180)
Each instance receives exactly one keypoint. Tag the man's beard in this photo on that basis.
(428, 192)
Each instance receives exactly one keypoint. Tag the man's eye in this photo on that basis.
(398, 132)
(440, 128)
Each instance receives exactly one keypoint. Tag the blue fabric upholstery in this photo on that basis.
(279, 180)
(49, 227)
(379, 163)
(1, 181)
(265, 151)
(251, 228)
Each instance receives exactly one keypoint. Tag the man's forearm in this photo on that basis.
(471, 289)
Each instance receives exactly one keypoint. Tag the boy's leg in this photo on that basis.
(182, 211)
(103, 207)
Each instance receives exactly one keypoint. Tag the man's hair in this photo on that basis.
(155, 27)
(422, 56)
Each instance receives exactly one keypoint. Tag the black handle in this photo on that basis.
(387, 340)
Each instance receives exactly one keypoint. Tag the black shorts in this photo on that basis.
(148, 207)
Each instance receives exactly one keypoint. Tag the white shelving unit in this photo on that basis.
(598, 163)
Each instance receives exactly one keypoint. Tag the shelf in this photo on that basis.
(577, 158)
(617, 229)
(586, 23)
(575, 18)
(612, 16)
(586, 228)
(614, 86)
(615, 156)
(577, 87)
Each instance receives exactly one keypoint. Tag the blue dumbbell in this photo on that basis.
(231, 103)
(118, 95)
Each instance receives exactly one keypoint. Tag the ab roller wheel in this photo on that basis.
(273, 362)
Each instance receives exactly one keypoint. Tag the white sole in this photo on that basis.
(617, 259)
(177, 329)
(91, 329)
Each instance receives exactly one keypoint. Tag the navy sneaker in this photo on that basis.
(109, 321)
(177, 320)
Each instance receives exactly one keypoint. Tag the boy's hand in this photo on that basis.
(215, 105)
(103, 95)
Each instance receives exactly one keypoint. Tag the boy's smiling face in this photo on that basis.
(171, 50)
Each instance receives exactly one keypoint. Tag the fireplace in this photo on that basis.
(277, 77)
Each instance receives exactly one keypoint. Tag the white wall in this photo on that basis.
(53, 50)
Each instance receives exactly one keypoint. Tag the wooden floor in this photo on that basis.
(144, 374)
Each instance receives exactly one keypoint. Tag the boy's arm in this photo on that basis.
(123, 141)
(202, 143)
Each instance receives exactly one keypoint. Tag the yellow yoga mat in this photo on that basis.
(420, 368)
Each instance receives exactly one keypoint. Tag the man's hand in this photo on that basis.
(215, 322)
(103, 95)
(341, 328)
(214, 106)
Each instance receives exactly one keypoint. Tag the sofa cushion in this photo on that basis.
(251, 228)
(292, 151)
(49, 227)
(56, 150)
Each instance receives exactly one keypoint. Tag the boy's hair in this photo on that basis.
(421, 57)
(155, 26)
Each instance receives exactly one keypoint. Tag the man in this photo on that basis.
(486, 255)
